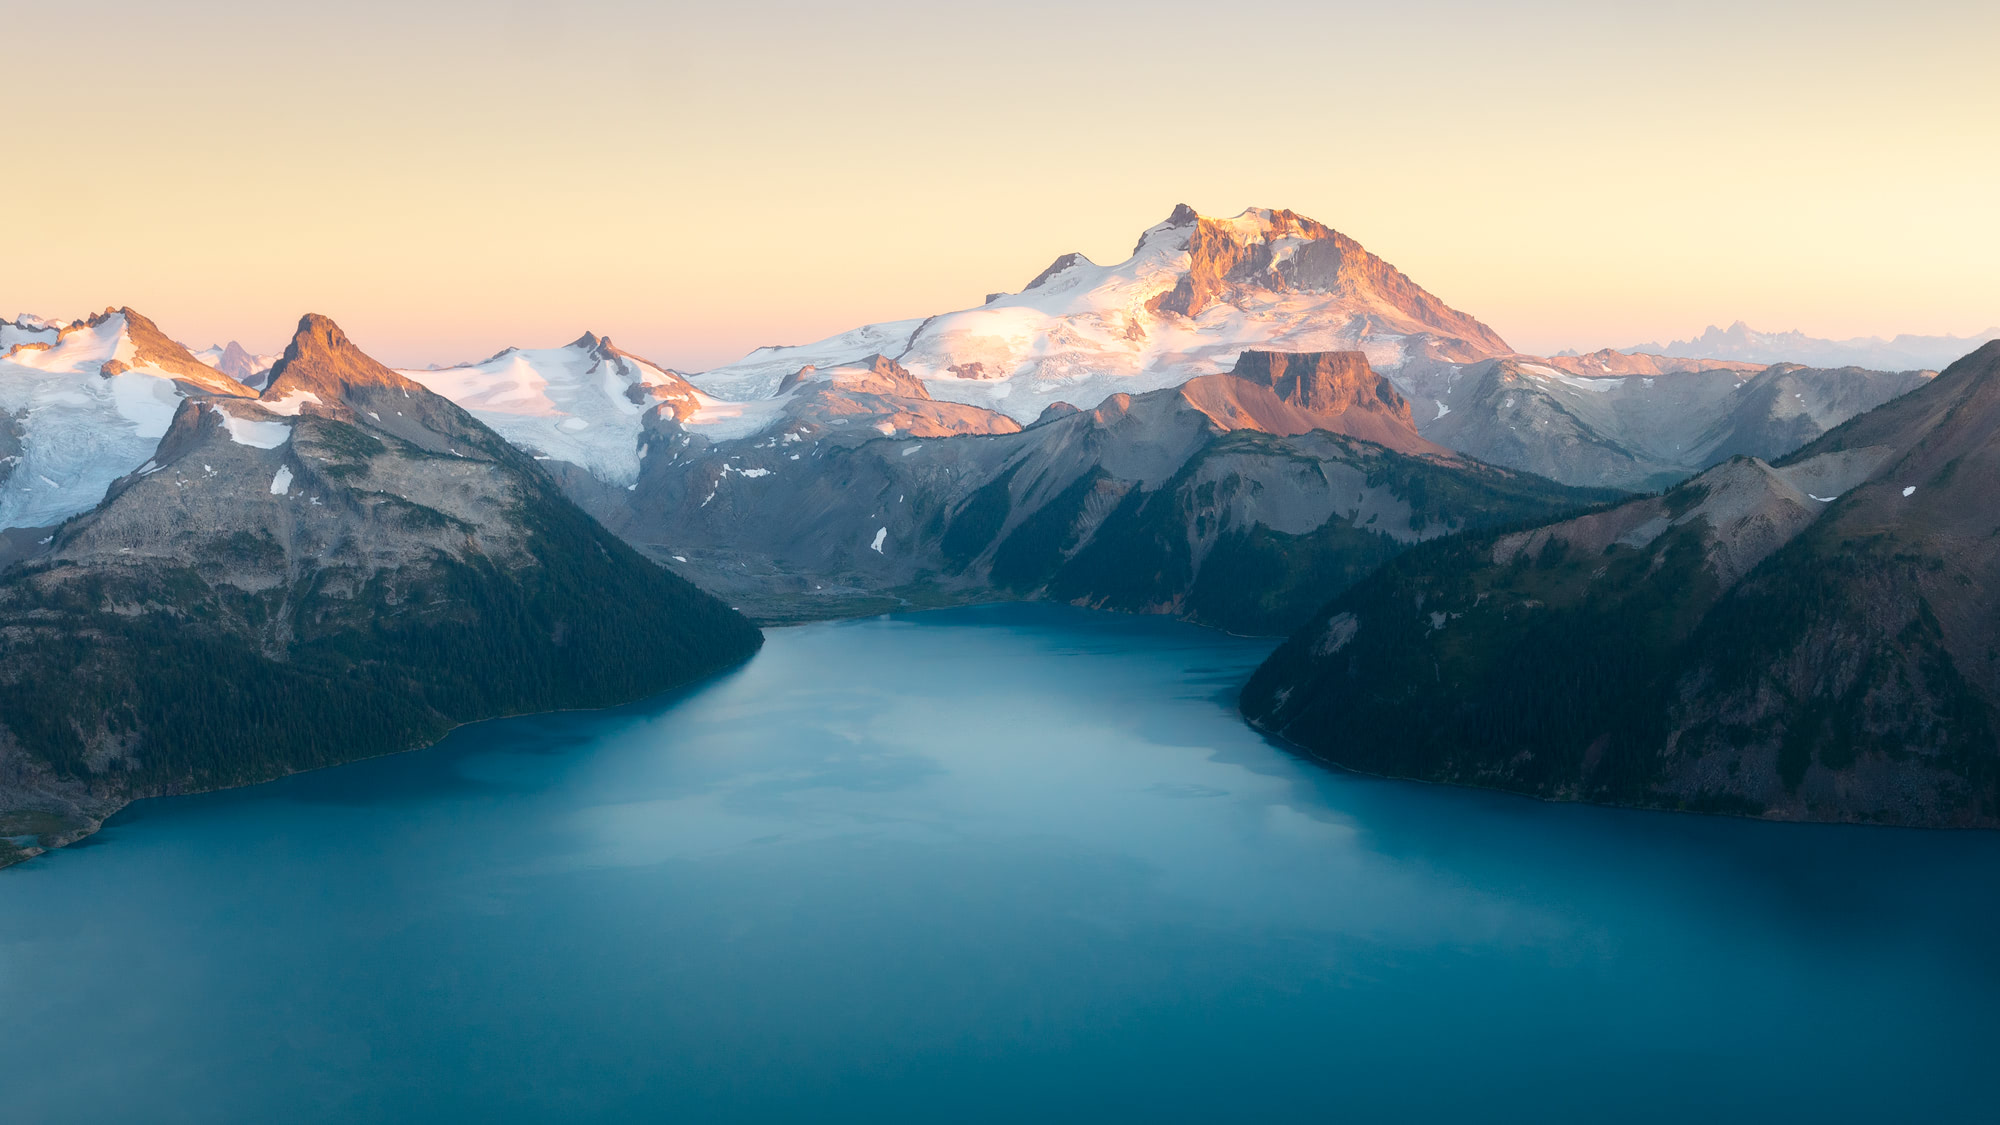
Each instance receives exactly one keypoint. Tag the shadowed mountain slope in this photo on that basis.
(1813, 639)
(1239, 499)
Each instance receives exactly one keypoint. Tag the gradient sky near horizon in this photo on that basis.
(446, 178)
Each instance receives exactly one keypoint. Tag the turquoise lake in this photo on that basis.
(1001, 864)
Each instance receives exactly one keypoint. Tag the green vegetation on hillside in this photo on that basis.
(165, 677)
(1174, 547)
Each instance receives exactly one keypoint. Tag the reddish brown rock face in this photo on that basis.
(1323, 382)
(322, 361)
(151, 348)
(676, 397)
(1326, 262)
(1291, 393)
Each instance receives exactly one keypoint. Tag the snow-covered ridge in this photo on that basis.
(27, 329)
(82, 405)
(585, 402)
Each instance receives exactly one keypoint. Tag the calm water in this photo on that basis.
(993, 865)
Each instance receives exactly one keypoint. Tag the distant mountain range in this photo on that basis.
(233, 360)
(1741, 342)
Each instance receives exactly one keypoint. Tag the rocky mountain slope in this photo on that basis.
(1240, 499)
(1195, 292)
(344, 565)
(1635, 430)
(1810, 639)
(1739, 341)
(84, 404)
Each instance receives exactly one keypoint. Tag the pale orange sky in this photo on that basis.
(449, 178)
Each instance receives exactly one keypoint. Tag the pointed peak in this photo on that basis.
(882, 365)
(1183, 218)
(318, 334)
(323, 362)
(1061, 263)
(791, 382)
(588, 342)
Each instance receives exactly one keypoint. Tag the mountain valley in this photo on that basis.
(1545, 574)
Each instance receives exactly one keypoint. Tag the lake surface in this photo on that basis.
(982, 865)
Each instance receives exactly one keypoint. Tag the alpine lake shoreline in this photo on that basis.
(789, 611)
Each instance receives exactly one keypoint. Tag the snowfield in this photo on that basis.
(580, 403)
(256, 432)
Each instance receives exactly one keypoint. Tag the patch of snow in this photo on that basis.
(1340, 629)
(290, 404)
(1442, 410)
(1910, 490)
(719, 420)
(881, 534)
(1580, 382)
(753, 472)
(282, 482)
(680, 558)
(254, 432)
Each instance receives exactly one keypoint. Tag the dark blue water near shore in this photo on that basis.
(988, 865)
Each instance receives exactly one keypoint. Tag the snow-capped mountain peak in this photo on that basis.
(1195, 293)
